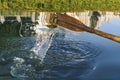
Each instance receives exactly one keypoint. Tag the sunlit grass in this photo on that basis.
(60, 5)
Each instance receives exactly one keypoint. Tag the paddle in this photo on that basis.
(76, 25)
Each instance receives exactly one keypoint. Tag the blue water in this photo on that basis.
(108, 62)
(71, 56)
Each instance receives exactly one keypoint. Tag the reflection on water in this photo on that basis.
(104, 18)
(31, 51)
(94, 19)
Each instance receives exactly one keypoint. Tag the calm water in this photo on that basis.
(31, 51)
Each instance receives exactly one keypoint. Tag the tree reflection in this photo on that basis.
(94, 19)
(11, 27)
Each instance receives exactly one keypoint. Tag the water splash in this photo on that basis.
(43, 43)
(44, 37)
(21, 68)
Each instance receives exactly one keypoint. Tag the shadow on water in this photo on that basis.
(26, 55)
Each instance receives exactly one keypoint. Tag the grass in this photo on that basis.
(60, 5)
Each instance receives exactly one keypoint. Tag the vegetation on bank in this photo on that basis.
(61, 5)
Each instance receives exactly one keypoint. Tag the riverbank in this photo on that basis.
(60, 5)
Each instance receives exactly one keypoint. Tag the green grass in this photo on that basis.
(60, 5)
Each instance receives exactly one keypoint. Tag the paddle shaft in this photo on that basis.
(75, 25)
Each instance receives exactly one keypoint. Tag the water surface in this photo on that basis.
(31, 51)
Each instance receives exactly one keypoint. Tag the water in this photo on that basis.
(40, 53)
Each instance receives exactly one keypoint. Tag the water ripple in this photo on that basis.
(65, 60)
